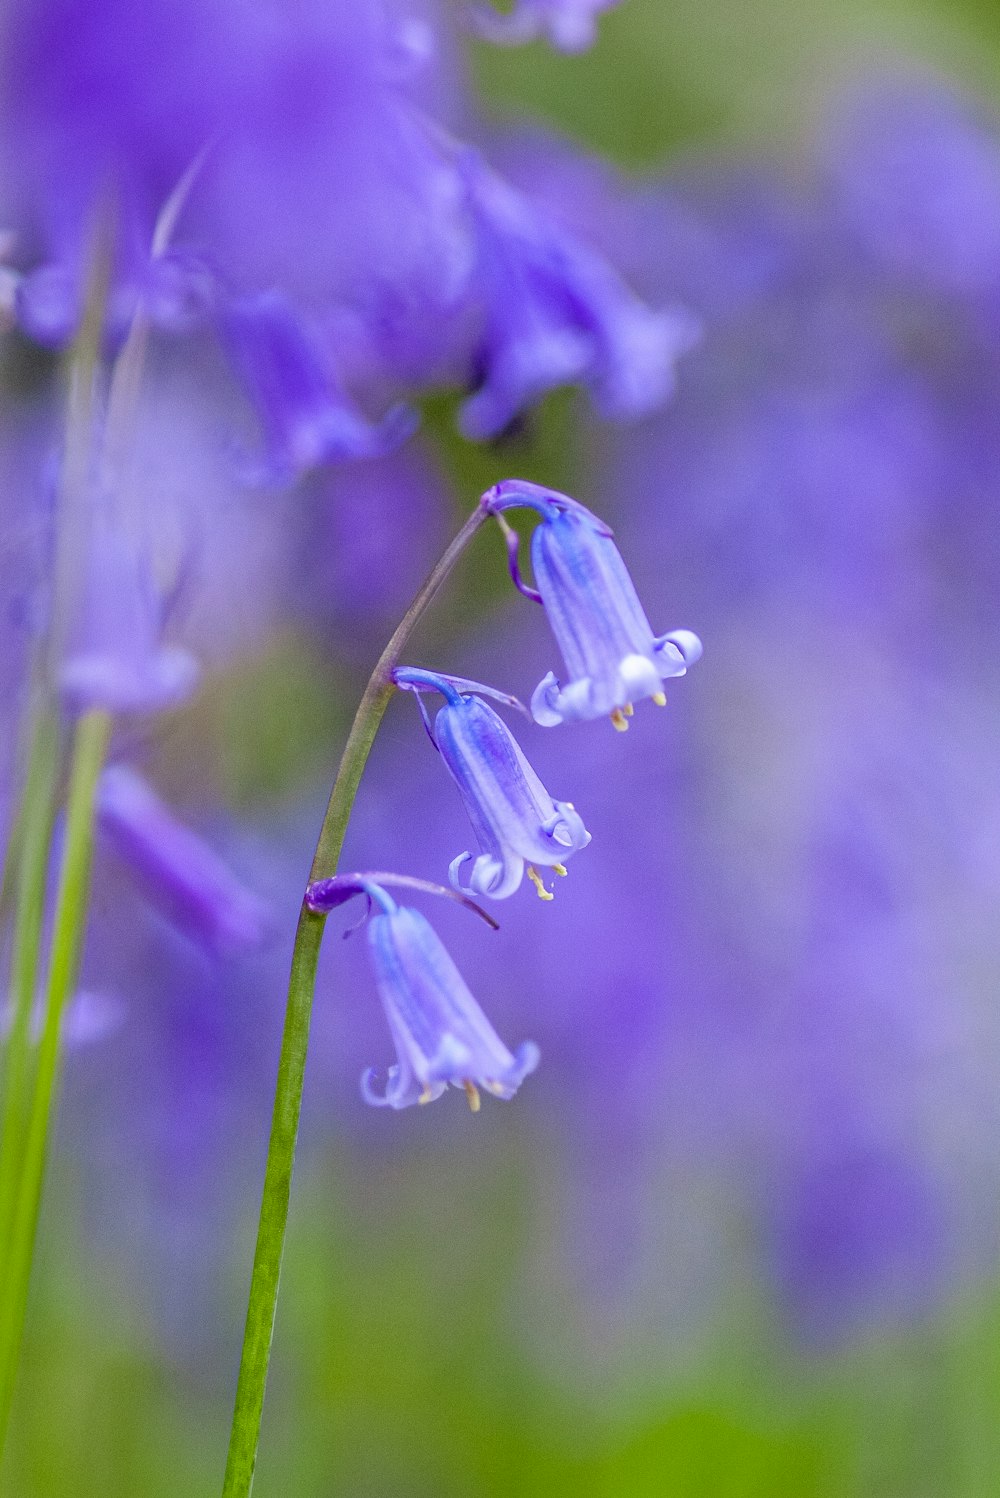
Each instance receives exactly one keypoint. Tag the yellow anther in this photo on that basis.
(472, 1093)
(619, 720)
(628, 709)
(660, 698)
(495, 1087)
(427, 1096)
(536, 879)
(560, 869)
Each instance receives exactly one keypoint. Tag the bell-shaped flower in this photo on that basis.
(518, 824)
(306, 417)
(178, 871)
(556, 313)
(611, 654)
(440, 1033)
(116, 657)
(570, 25)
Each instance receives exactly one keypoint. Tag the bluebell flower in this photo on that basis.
(612, 656)
(571, 25)
(440, 1032)
(556, 313)
(282, 106)
(116, 657)
(306, 416)
(517, 822)
(181, 874)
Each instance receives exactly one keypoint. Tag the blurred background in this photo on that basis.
(738, 1236)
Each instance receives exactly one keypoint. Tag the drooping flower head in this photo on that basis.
(440, 1032)
(116, 657)
(306, 416)
(611, 653)
(180, 873)
(517, 822)
(556, 313)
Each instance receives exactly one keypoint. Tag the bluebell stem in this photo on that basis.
(571, 25)
(517, 822)
(440, 1032)
(181, 874)
(612, 656)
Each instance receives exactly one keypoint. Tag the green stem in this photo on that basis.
(90, 744)
(259, 1330)
(29, 909)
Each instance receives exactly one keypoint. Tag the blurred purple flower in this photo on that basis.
(177, 870)
(279, 107)
(306, 416)
(441, 1034)
(116, 658)
(556, 313)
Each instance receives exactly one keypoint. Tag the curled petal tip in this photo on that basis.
(543, 699)
(685, 643)
(526, 1057)
(369, 1092)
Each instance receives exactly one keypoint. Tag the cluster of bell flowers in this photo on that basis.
(613, 659)
(331, 310)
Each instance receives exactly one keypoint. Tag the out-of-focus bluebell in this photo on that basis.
(570, 25)
(423, 267)
(177, 870)
(116, 657)
(25, 580)
(517, 822)
(283, 108)
(555, 313)
(590, 601)
(440, 1032)
(277, 108)
(306, 416)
